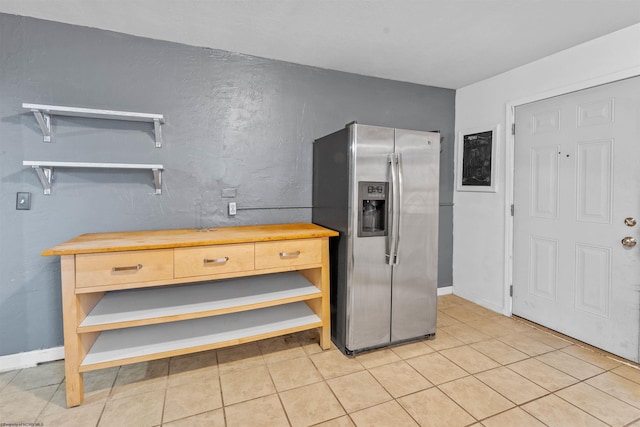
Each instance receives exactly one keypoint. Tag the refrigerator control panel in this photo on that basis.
(372, 213)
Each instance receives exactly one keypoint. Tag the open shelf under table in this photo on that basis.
(129, 345)
(151, 305)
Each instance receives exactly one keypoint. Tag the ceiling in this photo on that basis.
(444, 43)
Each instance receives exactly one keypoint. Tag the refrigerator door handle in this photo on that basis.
(388, 240)
(392, 211)
(398, 204)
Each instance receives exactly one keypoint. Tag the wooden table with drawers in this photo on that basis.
(129, 297)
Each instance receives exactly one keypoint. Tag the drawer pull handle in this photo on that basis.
(132, 267)
(289, 254)
(216, 260)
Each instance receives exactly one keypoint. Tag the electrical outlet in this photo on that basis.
(23, 201)
(232, 209)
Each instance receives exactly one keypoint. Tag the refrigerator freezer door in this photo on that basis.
(415, 274)
(369, 277)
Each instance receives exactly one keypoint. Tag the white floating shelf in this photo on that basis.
(119, 309)
(120, 345)
(58, 110)
(43, 115)
(46, 163)
(44, 169)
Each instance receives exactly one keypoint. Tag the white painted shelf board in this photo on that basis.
(165, 301)
(59, 110)
(44, 170)
(49, 164)
(121, 344)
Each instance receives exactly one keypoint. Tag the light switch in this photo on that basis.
(23, 201)
(228, 192)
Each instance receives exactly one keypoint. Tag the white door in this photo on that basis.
(577, 178)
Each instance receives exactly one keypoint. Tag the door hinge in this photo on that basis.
(511, 290)
(512, 210)
(513, 128)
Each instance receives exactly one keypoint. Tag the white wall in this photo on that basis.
(481, 221)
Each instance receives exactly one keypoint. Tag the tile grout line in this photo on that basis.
(108, 398)
(277, 392)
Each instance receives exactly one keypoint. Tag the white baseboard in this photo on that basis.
(445, 290)
(30, 359)
(481, 301)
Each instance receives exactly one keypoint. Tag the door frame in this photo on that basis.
(509, 139)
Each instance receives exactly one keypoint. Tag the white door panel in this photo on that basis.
(577, 177)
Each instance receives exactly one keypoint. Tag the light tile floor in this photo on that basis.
(483, 369)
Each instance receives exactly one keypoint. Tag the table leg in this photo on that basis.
(72, 345)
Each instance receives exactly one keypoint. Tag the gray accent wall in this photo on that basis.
(232, 121)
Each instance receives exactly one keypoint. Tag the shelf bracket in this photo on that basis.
(45, 174)
(44, 121)
(157, 179)
(157, 128)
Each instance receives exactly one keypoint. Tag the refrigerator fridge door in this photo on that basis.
(414, 289)
(369, 276)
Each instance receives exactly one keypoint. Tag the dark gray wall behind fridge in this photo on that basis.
(232, 121)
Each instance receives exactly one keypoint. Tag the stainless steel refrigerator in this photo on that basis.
(379, 187)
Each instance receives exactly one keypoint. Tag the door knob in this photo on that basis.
(629, 241)
(630, 222)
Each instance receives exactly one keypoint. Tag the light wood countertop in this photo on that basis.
(189, 237)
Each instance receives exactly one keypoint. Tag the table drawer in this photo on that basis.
(123, 267)
(202, 261)
(284, 253)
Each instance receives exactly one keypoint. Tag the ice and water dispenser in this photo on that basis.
(372, 216)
